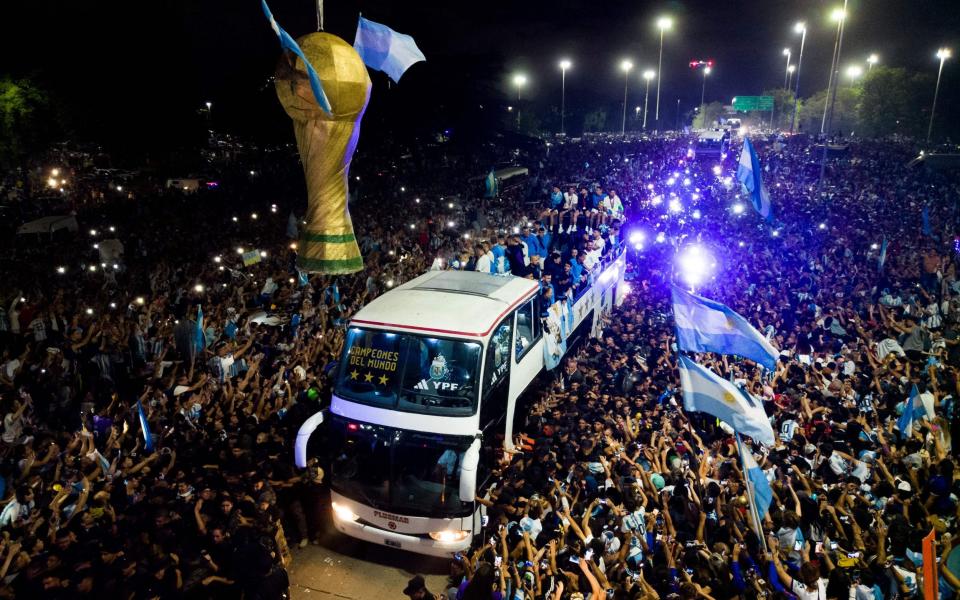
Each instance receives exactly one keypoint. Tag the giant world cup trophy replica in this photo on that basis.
(326, 142)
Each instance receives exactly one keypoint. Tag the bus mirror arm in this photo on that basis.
(303, 436)
(468, 472)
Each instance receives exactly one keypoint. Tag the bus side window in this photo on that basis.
(498, 355)
(528, 328)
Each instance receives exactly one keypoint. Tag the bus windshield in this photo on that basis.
(409, 373)
(394, 470)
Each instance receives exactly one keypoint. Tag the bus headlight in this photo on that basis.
(343, 513)
(449, 536)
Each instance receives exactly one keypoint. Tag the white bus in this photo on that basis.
(426, 394)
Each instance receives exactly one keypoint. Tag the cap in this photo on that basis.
(415, 585)
(657, 480)
(904, 486)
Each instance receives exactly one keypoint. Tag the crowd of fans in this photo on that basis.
(616, 492)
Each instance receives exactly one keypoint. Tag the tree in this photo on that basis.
(845, 111)
(783, 107)
(20, 104)
(707, 118)
(893, 101)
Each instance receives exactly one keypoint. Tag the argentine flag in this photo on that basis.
(144, 427)
(384, 49)
(757, 480)
(705, 391)
(748, 173)
(707, 326)
(289, 44)
(912, 410)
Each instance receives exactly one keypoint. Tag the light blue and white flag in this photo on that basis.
(913, 410)
(749, 174)
(384, 49)
(883, 253)
(705, 391)
(490, 185)
(707, 326)
(144, 427)
(200, 338)
(288, 43)
(760, 489)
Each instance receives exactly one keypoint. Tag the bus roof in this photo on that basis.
(453, 303)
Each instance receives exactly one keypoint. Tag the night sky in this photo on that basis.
(134, 74)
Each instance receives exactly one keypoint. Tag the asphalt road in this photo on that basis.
(342, 567)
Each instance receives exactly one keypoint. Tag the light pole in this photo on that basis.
(519, 80)
(943, 54)
(703, 87)
(786, 72)
(564, 65)
(647, 75)
(872, 60)
(625, 66)
(800, 28)
(840, 16)
(790, 71)
(663, 23)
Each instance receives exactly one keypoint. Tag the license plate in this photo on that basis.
(392, 544)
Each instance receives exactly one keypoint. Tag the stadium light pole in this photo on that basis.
(786, 71)
(872, 60)
(625, 66)
(800, 28)
(564, 65)
(519, 80)
(647, 75)
(943, 54)
(663, 23)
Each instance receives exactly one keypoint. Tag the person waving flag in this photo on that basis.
(748, 173)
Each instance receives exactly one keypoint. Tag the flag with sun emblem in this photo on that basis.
(705, 391)
(707, 326)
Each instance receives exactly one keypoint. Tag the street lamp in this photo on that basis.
(786, 72)
(519, 80)
(625, 66)
(800, 28)
(663, 23)
(943, 54)
(703, 88)
(872, 60)
(647, 75)
(564, 65)
(790, 71)
(840, 16)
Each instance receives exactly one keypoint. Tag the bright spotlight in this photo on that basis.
(695, 265)
(717, 170)
(696, 214)
(636, 237)
(661, 237)
(822, 226)
(738, 209)
(675, 205)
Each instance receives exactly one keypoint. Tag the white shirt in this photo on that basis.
(819, 592)
(570, 201)
(483, 263)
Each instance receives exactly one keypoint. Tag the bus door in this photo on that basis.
(496, 392)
